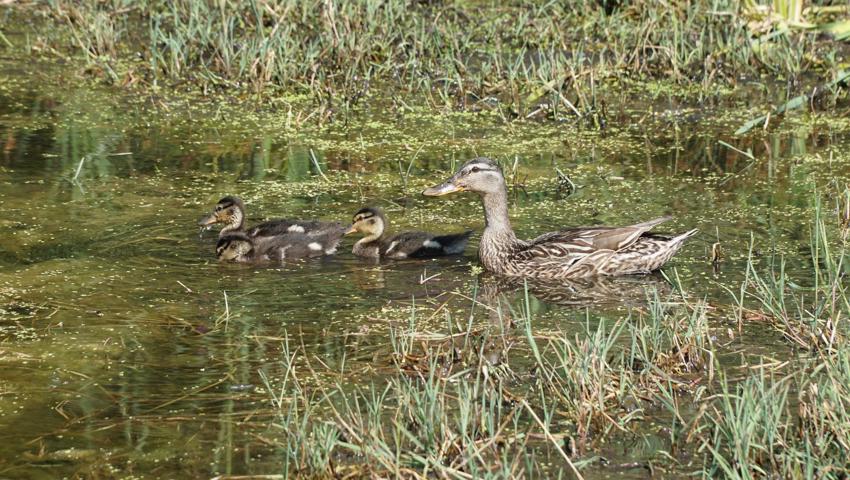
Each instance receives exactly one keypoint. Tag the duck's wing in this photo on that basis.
(407, 244)
(292, 246)
(592, 242)
(273, 228)
(589, 239)
(424, 244)
(618, 238)
(283, 226)
(328, 235)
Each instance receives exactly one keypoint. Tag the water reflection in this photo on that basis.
(628, 291)
(56, 134)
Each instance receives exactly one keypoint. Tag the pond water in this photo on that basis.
(127, 350)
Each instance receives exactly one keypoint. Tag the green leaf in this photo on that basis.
(838, 30)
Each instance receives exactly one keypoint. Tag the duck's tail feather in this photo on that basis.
(454, 243)
(645, 226)
(679, 239)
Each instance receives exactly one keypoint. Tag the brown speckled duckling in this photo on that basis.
(372, 222)
(231, 212)
(239, 247)
(570, 253)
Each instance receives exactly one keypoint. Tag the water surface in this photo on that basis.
(127, 350)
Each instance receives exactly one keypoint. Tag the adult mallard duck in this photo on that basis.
(571, 253)
(239, 247)
(231, 212)
(372, 222)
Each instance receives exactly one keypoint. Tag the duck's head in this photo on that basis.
(480, 175)
(229, 211)
(369, 221)
(233, 246)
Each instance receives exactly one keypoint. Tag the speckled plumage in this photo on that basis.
(275, 240)
(239, 247)
(415, 244)
(231, 212)
(571, 253)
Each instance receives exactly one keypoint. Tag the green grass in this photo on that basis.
(810, 312)
(451, 408)
(522, 59)
(792, 425)
(448, 407)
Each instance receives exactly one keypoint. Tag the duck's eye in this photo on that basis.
(371, 221)
(474, 170)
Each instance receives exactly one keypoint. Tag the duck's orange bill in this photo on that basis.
(443, 189)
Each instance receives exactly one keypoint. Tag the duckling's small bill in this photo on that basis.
(208, 220)
(440, 190)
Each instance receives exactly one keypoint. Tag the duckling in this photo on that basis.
(231, 212)
(372, 222)
(239, 247)
(570, 253)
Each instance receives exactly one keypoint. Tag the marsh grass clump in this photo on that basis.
(521, 59)
(408, 427)
(785, 419)
(602, 380)
(673, 338)
(478, 403)
(790, 426)
(588, 378)
(810, 313)
(747, 431)
(824, 408)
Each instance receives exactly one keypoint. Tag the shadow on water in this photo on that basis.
(125, 343)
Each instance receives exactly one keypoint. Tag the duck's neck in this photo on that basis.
(368, 246)
(498, 224)
(498, 242)
(237, 221)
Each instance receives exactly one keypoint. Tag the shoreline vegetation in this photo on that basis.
(489, 395)
(522, 59)
(452, 406)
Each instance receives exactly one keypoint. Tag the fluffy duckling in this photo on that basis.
(372, 222)
(231, 212)
(569, 253)
(239, 247)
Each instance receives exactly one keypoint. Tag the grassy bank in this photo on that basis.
(511, 401)
(523, 59)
